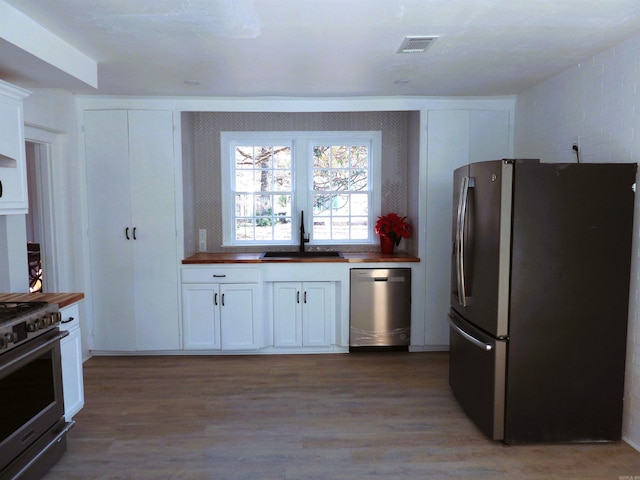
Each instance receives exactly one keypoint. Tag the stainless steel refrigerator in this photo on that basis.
(539, 298)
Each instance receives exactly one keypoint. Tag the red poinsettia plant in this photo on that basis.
(393, 226)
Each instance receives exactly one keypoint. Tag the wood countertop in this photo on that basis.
(62, 299)
(365, 257)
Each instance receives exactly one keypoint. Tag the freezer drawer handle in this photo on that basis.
(484, 346)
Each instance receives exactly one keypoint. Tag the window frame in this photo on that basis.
(302, 179)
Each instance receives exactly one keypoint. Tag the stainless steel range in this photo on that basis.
(32, 426)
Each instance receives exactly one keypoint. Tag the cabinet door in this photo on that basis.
(454, 138)
(287, 314)
(238, 316)
(132, 229)
(109, 205)
(200, 317)
(72, 381)
(153, 224)
(317, 313)
(13, 172)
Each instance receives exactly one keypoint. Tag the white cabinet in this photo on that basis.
(302, 314)
(454, 138)
(13, 171)
(200, 317)
(220, 309)
(71, 352)
(132, 229)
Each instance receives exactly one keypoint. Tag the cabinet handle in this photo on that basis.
(305, 296)
(215, 299)
(126, 233)
(0, 188)
(218, 276)
(223, 299)
(68, 320)
(298, 297)
(134, 233)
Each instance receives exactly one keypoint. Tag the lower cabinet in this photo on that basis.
(302, 314)
(71, 352)
(220, 316)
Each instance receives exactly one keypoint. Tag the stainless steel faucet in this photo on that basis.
(303, 238)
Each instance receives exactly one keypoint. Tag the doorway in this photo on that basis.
(39, 221)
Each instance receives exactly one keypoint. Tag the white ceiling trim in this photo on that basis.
(19, 30)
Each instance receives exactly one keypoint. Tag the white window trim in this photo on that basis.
(301, 142)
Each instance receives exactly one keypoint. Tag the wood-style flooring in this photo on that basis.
(308, 417)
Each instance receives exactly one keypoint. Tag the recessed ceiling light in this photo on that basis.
(191, 82)
(416, 44)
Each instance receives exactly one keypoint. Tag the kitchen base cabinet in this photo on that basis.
(302, 314)
(132, 229)
(200, 317)
(220, 316)
(71, 352)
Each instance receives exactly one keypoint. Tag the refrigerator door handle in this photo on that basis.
(458, 245)
(462, 212)
(487, 347)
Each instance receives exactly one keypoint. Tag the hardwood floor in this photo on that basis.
(344, 416)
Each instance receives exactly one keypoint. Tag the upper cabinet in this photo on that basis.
(132, 229)
(13, 171)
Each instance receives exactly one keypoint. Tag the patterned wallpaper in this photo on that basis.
(206, 187)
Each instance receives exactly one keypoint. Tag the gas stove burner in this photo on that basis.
(11, 310)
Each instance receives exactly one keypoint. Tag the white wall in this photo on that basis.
(598, 103)
(50, 116)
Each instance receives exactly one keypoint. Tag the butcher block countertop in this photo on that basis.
(62, 299)
(366, 257)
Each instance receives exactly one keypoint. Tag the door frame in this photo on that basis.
(45, 143)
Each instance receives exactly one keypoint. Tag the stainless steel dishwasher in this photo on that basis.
(380, 309)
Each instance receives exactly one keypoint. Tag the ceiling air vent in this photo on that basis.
(416, 44)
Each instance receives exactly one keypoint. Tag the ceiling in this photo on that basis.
(318, 48)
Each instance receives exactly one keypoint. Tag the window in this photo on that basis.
(270, 177)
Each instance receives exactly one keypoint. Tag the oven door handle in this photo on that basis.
(40, 347)
(67, 426)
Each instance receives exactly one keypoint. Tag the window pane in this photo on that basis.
(340, 228)
(358, 180)
(339, 156)
(244, 205)
(321, 156)
(263, 206)
(244, 229)
(321, 229)
(263, 157)
(282, 180)
(321, 180)
(244, 180)
(359, 228)
(322, 205)
(338, 172)
(282, 157)
(340, 180)
(244, 157)
(359, 205)
(341, 205)
(359, 157)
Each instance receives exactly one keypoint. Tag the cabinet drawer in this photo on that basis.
(219, 275)
(70, 317)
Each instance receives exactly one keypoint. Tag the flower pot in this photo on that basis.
(387, 244)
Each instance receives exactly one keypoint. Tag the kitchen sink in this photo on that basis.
(314, 254)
